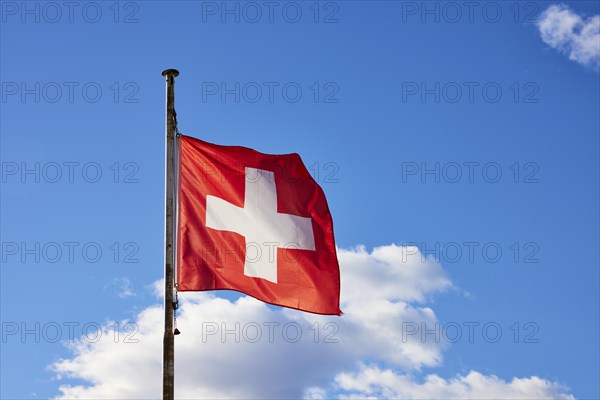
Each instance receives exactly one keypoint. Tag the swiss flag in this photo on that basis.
(255, 223)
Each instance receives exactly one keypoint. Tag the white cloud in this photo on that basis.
(572, 34)
(380, 291)
(373, 382)
(395, 272)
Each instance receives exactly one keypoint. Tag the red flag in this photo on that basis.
(255, 223)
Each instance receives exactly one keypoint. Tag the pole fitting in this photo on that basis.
(170, 72)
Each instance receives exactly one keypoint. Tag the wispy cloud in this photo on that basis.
(121, 287)
(572, 34)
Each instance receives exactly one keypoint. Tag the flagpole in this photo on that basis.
(168, 341)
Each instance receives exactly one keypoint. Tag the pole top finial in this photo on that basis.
(170, 72)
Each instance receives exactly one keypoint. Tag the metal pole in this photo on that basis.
(168, 342)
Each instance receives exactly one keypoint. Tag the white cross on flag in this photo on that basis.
(255, 223)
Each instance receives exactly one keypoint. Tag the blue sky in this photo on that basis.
(472, 134)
